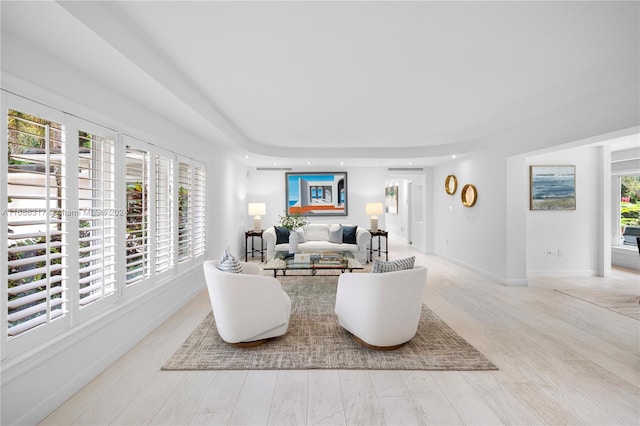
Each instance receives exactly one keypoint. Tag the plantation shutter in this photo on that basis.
(199, 236)
(164, 214)
(36, 280)
(97, 227)
(137, 231)
(184, 211)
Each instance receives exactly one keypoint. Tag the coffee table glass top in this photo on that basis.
(341, 260)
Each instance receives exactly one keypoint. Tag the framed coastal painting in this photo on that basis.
(391, 199)
(552, 187)
(316, 193)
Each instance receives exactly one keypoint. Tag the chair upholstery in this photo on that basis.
(247, 307)
(381, 310)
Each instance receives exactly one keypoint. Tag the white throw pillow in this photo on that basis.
(335, 236)
(316, 232)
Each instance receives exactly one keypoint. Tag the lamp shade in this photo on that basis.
(257, 209)
(373, 208)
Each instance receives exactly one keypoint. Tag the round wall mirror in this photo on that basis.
(469, 195)
(451, 184)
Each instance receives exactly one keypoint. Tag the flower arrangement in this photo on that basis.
(293, 221)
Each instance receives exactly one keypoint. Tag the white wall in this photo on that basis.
(364, 185)
(571, 236)
(473, 237)
(227, 208)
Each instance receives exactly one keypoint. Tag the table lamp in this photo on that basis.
(256, 210)
(373, 210)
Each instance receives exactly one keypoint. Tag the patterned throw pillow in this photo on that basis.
(349, 234)
(282, 235)
(229, 263)
(393, 265)
(335, 235)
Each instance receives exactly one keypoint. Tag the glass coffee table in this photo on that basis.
(314, 262)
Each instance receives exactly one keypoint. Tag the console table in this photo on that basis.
(379, 233)
(252, 234)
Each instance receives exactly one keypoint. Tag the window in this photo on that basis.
(629, 207)
(184, 212)
(199, 220)
(191, 210)
(137, 231)
(36, 280)
(89, 220)
(96, 214)
(164, 214)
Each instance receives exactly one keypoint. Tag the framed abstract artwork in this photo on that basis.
(552, 187)
(391, 199)
(316, 193)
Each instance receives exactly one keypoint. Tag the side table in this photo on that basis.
(379, 233)
(252, 234)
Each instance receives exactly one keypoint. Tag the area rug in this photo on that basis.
(622, 301)
(315, 340)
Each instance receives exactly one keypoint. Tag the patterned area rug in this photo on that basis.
(315, 340)
(622, 301)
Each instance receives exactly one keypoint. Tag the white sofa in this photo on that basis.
(249, 308)
(381, 310)
(316, 240)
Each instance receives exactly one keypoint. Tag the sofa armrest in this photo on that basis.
(269, 237)
(363, 237)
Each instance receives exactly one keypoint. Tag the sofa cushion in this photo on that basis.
(316, 232)
(393, 265)
(282, 234)
(349, 234)
(229, 263)
(335, 235)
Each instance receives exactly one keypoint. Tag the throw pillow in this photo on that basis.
(335, 236)
(349, 234)
(380, 266)
(282, 235)
(229, 263)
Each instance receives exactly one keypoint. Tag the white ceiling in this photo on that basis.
(385, 83)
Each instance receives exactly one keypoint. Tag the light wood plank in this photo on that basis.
(185, 399)
(325, 397)
(221, 397)
(289, 406)
(359, 398)
(254, 402)
(434, 407)
(471, 408)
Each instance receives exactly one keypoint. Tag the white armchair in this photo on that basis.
(248, 308)
(381, 310)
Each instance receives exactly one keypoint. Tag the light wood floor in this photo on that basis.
(561, 361)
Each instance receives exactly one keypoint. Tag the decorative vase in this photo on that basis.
(293, 241)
